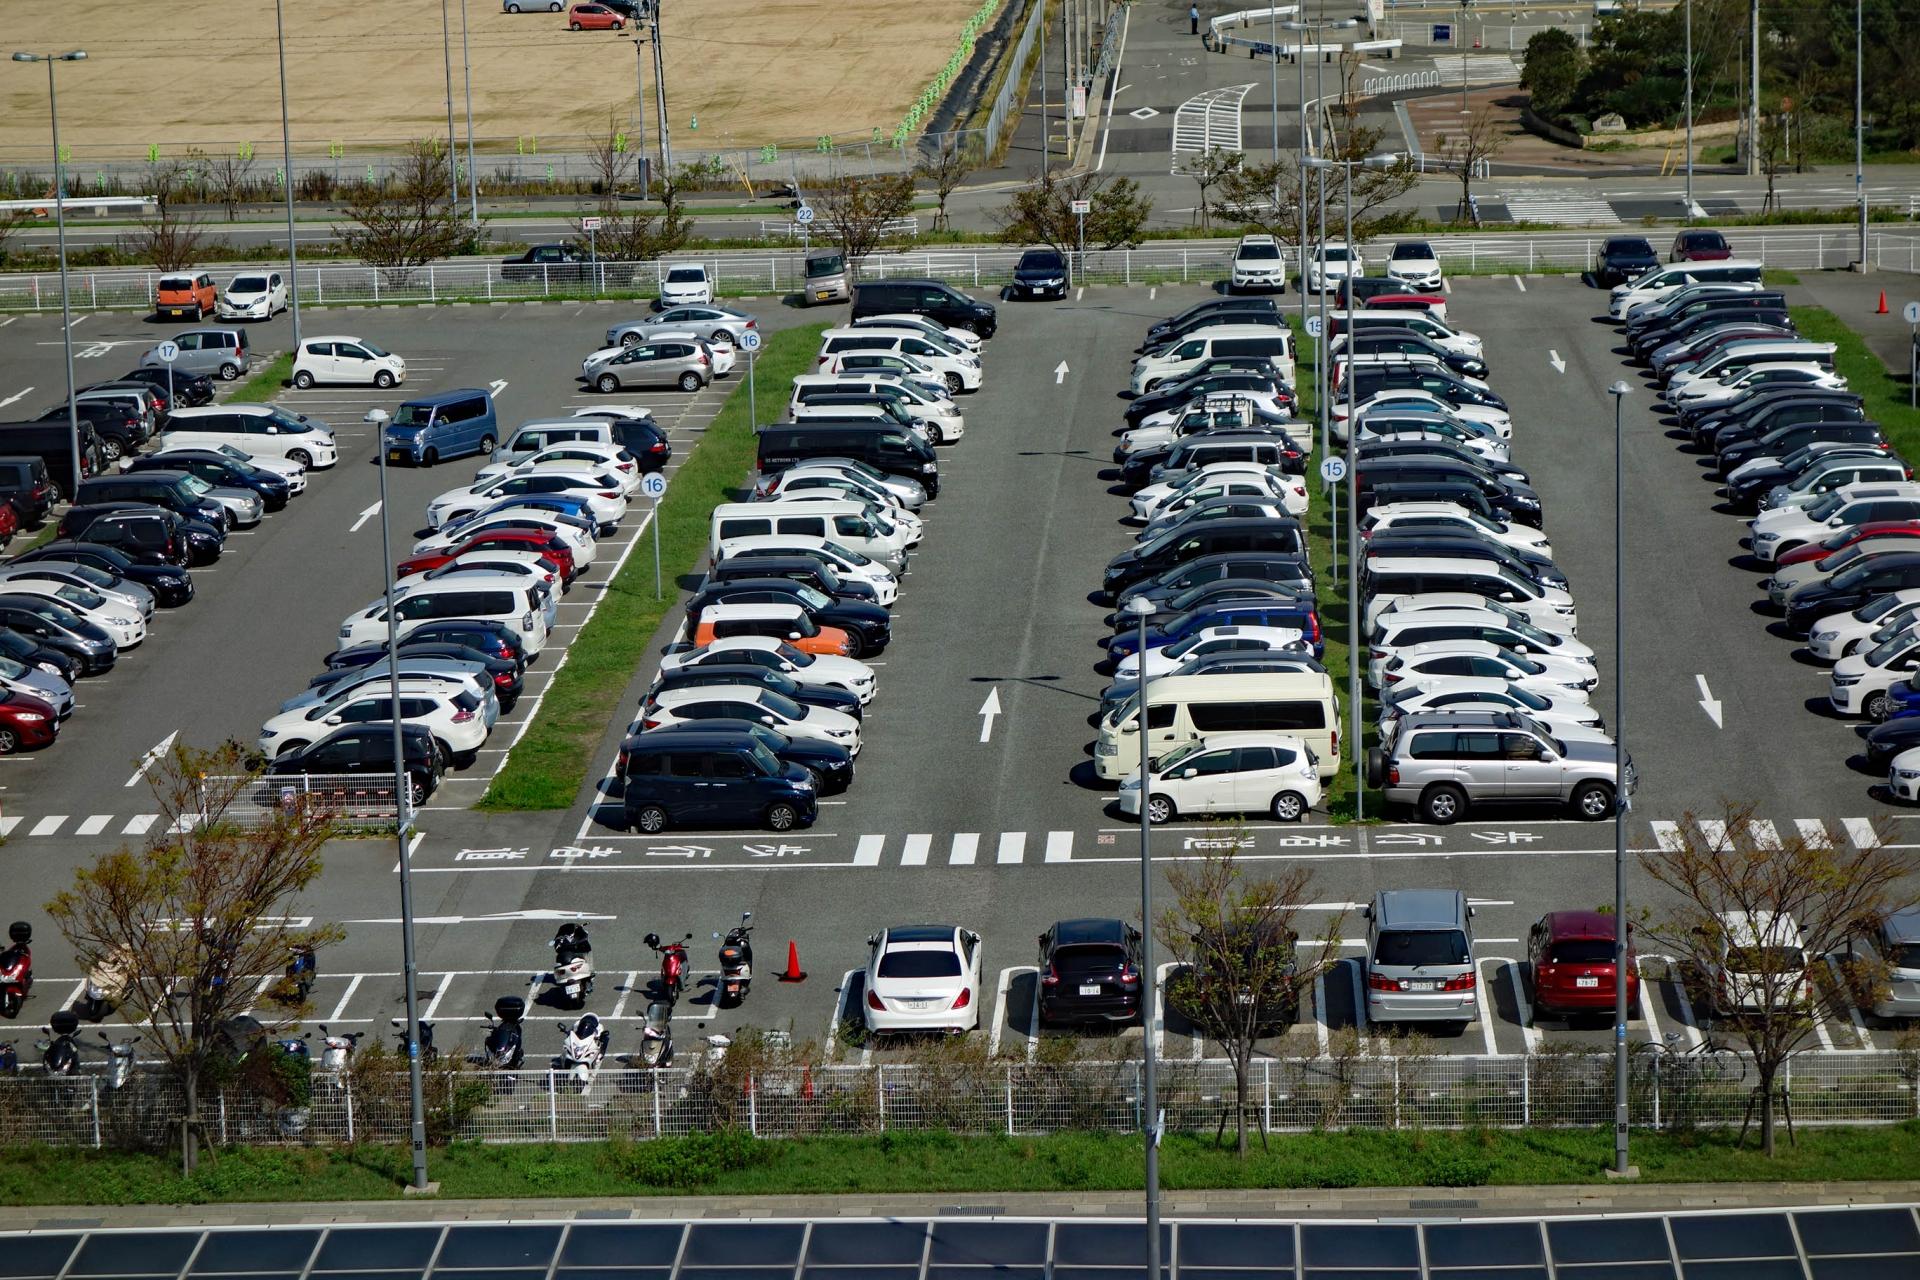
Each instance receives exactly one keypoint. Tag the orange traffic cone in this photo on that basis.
(1882, 308)
(806, 1081)
(793, 972)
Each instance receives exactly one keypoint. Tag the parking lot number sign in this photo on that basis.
(1443, 33)
(1083, 206)
(1314, 326)
(654, 485)
(803, 215)
(1333, 470)
(589, 224)
(1911, 312)
(168, 352)
(750, 340)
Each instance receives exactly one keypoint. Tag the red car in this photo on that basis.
(594, 17)
(1571, 955)
(9, 521)
(25, 722)
(1699, 246)
(546, 544)
(1434, 303)
(1848, 536)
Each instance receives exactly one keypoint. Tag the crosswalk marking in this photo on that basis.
(1812, 831)
(8, 824)
(94, 825)
(48, 825)
(867, 852)
(1480, 68)
(1059, 846)
(1208, 120)
(137, 826)
(1765, 834)
(1013, 847)
(1667, 835)
(914, 854)
(1559, 210)
(1860, 831)
(1712, 832)
(966, 847)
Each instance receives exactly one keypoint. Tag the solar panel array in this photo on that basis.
(1876, 1243)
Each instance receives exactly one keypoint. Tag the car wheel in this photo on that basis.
(1878, 708)
(720, 335)
(971, 326)
(935, 435)
(293, 744)
(1443, 804)
(430, 457)
(229, 371)
(553, 8)
(487, 444)
(416, 791)
(651, 819)
(1289, 806)
(781, 817)
(1593, 801)
(856, 647)
(110, 449)
(383, 379)
(9, 742)
(1780, 552)
(629, 339)
(1159, 810)
(607, 382)
(1150, 385)
(573, 26)
(300, 456)
(513, 8)
(689, 381)
(953, 384)
(303, 380)
(1376, 767)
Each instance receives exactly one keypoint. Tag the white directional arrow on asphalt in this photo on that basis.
(1059, 376)
(497, 385)
(146, 761)
(988, 710)
(18, 395)
(498, 917)
(1709, 703)
(1553, 358)
(365, 516)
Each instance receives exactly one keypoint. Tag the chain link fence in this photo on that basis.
(778, 271)
(1672, 1091)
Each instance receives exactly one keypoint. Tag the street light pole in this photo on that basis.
(60, 225)
(466, 69)
(286, 168)
(1859, 134)
(1142, 609)
(403, 819)
(453, 151)
(1687, 218)
(1299, 31)
(1619, 391)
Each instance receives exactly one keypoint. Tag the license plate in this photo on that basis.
(1422, 986)
(396, 455)
(1586, 982)
(916, 1004)
(1090, 990)
(823, 294)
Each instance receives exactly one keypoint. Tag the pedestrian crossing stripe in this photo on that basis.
(1559, 210)
(1764, 833)
(54, 824)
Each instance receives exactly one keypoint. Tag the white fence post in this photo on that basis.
(347, 1085)
(223, 1114)
(753, 1108)
(1009, 1071)
(1526, 1091)
(880, 1093)
(656, 1104)
(376, 286)
(96, 1112)
(93, 288)
(1266, 1096)
(553, 1106)
(433, 293)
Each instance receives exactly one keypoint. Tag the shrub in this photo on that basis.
(690, 1161)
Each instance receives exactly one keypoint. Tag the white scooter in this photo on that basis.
(585, 1049)
(120, 1060)
(573, 963)
(336, 1052)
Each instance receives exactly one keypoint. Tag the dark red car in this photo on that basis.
(25, 722)
(547, 545)
(1571, 955)
(1699, 246)
(1846, 537)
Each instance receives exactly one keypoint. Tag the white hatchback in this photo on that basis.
(1267, 773)
(685, 284)
(348, 360)
(694, 703)
(598, 489)
(253, 295)
(1162, 661)
(1837, 635)
(922, 978)
(455, 716)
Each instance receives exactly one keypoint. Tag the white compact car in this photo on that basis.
(685, 284)
(846, 562)
(1446, 517)
(1762, 963)
(1546, 615)
(1859, 682)
(1479, 693)
(1839, 634)
(600, 490)
(340, 358)
(1164, 660)
(609, 459)
(118, 616)
(456, 718)
(1555, 677)
(1254, 481)
(260, 430)
(695, 703)
(1331, 263)
(1269, 773)
(821, 670)
(253, 295)
(922, 978)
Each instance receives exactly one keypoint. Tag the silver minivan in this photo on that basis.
(1420, 963)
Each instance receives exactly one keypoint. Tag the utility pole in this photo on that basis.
(640, 109)
(1859, 134)
(466, 70)
(660, 98)
(1046, 117)
(1753, 89)
(453, 151)
(1688, 219)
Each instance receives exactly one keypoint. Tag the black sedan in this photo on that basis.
(190, 390)
(358, 749)
(752, 673)
(831, 765)
(1621, 259)
(171, 585)
(868, 626)
(1040, 273)
(492, 639)
(218, 469)
(47, 658)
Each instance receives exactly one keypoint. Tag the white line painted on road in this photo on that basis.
(1320, 1029)
(9, 320)
(1156, 1016)
(914, 852)
(1484, 1001)
(1523, 1007)
(497, 385)
(1060, 372)
(838, 1015)
(990, 708)
(426, 1015)
(1553, 358)
(352, 987)
(18, 395)
(1708, 703)
(1059, 846)
(1860, 1035)
(1359, 998)
(867, 852)
(365, 516)
(1813, 832)
(1765, 835)
(999, 1012)
(966, 848)
(94, 825)
(48, 825)
(1713, 832)
(138, 825)
(1689, 1025)
(1012, 848)
(1520, 284)
(146, 761)
(1647, 1014)
(626, 983)
(1861, 832)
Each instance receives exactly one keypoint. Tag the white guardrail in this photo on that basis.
(758, 273)
(1220, 31)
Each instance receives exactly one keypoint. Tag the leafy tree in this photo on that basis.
(1246, 193)
(1830, 892)
(1554, 65)
(858, 209)
(407, 221)
(199, 914)
(1208, 170)
(1042, 212)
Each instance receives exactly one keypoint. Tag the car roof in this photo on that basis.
(920, 933)
(1075, 932)
(1766, 928)
(1903, 926)
(1580, 924)
(438, 398)
(1418, 908)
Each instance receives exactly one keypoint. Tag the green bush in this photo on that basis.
(692, 1161)
(1459, 1171)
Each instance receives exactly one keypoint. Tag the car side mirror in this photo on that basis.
(1188, 773)
(1472, 911)
(334, 720)
(1130, 727)
(873, 939)
(793, 635)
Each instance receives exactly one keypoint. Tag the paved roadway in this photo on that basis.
(998, 834)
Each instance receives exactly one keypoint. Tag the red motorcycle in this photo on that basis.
(16, 969)
(673, 964)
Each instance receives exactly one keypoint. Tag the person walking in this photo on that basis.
(1193, 18)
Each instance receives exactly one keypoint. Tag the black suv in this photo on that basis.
(1621, 259)
(713, 777)
(145, 533)
(1090, 972)
(1250, 955)
(24, 482)
(935, 299)
(358, 749)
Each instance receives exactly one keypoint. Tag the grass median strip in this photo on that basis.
(266, 384)
(548, 766)
(1867, 376)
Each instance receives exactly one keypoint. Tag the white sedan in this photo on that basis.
(1219, 506)
(922, 978)
(1380, 608)
(1903, 776)
(119, 619)
(1447, 517)
(600, 490)
(965, 339)
(1407, 398)
(695, 703)
(1162, 661)
(1482, 693)
(1700, 396)
(584, 454)
(1555, 677)
(1837, 635)
(1265, 404)
(1289, 492)
(1476, 438)
(828, 671)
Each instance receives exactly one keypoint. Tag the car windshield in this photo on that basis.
(1529, 699)
(80, 597)
(87, 573)
(1904, 955)
(764, 758)
(1825, 507)
(1527, 631)
(1527, 665)
(374, 350)
(249, 284)
(797, 657)
(1262, 251)
(1172, 759)
(1334, 253)
(195, 485)
(686, 275)
(11, 669)
(1186, 646)
(1417, 947)
(1839, 559)
(1890, 649)
(1581, 951)
(781, 705)
(1850, 577)
(1878, 607)
(1774, 961)
(812, 598)
(919, 964)
(287, 421)
(1412, 251)
(1040, 260)
(413, 415)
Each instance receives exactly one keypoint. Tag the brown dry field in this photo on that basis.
(202, 73)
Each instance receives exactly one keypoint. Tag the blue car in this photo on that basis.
(573, 511)
(1903, 701)
(1300, 615)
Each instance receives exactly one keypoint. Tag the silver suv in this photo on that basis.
(1420, 962)
(1442, 762)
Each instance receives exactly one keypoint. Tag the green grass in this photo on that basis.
(266, 384)
(734, 1164)
(1867, 377)
(548, 766)
(41, 537)
(1778, 277)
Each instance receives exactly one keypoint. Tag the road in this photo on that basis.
(993, 830)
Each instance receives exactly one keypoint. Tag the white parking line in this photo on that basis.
(1853, 1012)
(914, 852)
(352, 987)
(837, 1016)
(1320, 1028)
(1012, 847)
(626, 990)
(426, 1015)
(1485, 1002)
(1000, 990)
(1522, 1007)
(1689, 1027)
(966, 847)
(1156, 1017)
(1647, 1014)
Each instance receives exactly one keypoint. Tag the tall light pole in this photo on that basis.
(286, 167)
(1619, 391)
(1687, 219)
(1859, 134)
(60, 225)
(660, 96)
(640, 109)
(466, 69)
(1142, 609)
(1299, 30)
(453, 150)
(403, 818)
(1753, 88)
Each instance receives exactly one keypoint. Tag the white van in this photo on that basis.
(1181, 708)
(263, 430)
(962, 372)
(852, 524)
(1275, 342)
(513, 604)
(1673, 276)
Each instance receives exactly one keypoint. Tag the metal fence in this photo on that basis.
(753, 272)
(1286, 1094)
(350, 799)
(1014, 88)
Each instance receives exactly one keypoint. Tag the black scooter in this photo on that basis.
(504, 1049)
(428, 1054)
(59, 1054)
(736, 961)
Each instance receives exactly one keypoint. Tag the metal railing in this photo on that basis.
(1014, 87)
(351, 799)
(903, 228)
(1289, 1094)
(1400, 82)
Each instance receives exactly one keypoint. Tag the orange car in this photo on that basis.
(594, 17)
(787, 622)
(188, 296)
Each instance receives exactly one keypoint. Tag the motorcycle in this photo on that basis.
(9, 1058)
(673, 964)
(656, 1034)
(106, 985)
(58, 1053)
(736, 961)
(504, 1049)
(428, 1054)
(16, 969)
(302, 970)
(585, 1048)
(336, 1051)
(119, 1059)
(573, 963)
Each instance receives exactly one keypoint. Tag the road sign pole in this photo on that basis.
(1911, 314)
(657, 592)
(654, 486)
(168, 351)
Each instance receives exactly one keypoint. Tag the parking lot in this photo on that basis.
(965, 810)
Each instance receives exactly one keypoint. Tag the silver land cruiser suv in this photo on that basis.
(1443, 762)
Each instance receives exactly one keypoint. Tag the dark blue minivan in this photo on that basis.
(713, 779)
(447, 424)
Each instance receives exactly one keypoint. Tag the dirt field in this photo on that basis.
(202, 72)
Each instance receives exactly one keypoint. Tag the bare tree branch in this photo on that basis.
(945, 170)
(408, 221)
(169, 238)
(858, 209)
